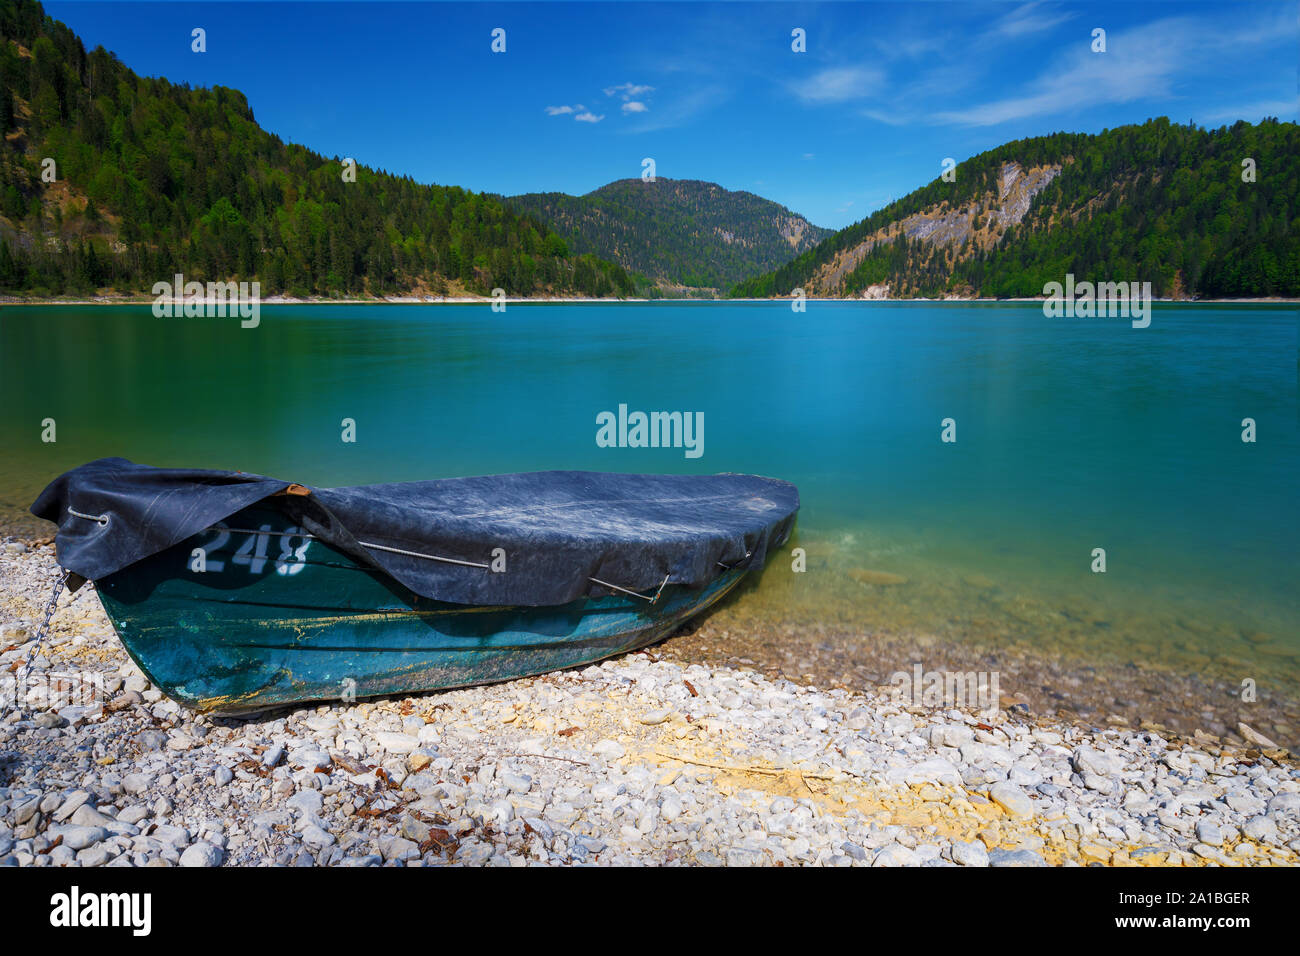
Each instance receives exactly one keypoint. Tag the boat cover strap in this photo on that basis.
(557, 530)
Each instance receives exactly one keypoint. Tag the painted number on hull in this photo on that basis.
(292, 560)
(252, 554)
(253, 551)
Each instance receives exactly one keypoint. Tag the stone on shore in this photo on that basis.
(640, 760)
(202, 854)
(1011, 799)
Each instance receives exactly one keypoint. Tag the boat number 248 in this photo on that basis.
(253, 551)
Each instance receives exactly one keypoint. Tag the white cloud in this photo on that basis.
(838, 84)
(580, 113)
(625, 92)
(629, 90)
(889, 117)
(1103, 79)
(807, 155)
(1028, 18)
(1252, 112)
(682, 109)
(1141, 63)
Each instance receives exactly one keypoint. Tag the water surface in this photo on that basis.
(1071, 434)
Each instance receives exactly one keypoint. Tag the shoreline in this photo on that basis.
(640, 759)
(1178, 692)
(1153, 674)
(523, 300)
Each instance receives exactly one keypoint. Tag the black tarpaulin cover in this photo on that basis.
(559, 529)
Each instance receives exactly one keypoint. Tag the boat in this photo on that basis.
(235, 592)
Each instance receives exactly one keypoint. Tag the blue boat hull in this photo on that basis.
(275, 618)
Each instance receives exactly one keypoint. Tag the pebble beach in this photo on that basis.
(646, 759)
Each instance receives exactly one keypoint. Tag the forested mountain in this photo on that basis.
(155, 178)
(151, 178)
(1157, 202)
(679, 233)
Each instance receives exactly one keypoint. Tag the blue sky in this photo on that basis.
(584, 92)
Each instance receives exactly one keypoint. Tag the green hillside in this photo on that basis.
(1157, 202)
(679, 233)
(155, 178)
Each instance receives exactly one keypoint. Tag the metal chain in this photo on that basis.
(25, 671)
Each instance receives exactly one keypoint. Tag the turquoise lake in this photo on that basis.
(1071, 435)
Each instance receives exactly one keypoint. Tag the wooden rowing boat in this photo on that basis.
(256, 629)
(276, 602)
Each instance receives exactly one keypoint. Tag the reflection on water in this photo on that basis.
(1072, 435)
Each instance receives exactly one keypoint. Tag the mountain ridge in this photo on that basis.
(682, 235)
(154, 178)
(1198, 213)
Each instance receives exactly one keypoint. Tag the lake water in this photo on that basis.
(1071, 435)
